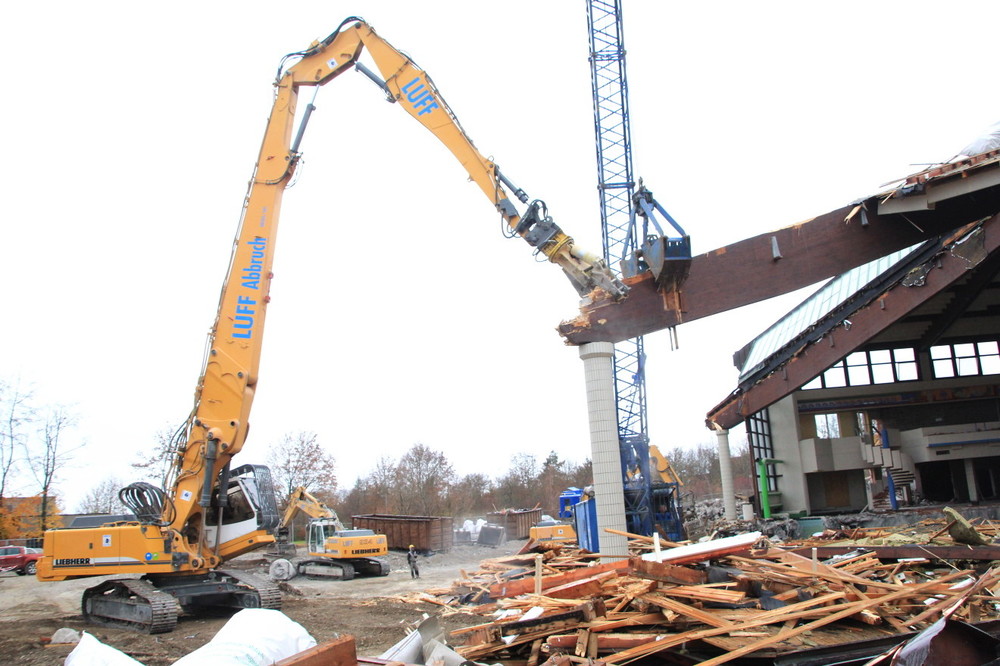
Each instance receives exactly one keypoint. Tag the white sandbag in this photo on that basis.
(252, 637)
(92, 652)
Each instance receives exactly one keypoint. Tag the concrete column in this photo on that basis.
(599, 373)
(970, 481)
(726, 471)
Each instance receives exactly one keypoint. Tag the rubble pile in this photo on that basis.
(717, 601)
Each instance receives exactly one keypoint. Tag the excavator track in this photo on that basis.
(326, 568)
(130, 604)
(268, 594)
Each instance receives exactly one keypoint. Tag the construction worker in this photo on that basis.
(411, 558)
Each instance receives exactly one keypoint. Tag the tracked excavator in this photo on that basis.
(332, 550)
(171, 558)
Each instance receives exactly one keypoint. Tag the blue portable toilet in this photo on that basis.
(569, 497)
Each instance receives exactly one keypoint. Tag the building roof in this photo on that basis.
(918, 294)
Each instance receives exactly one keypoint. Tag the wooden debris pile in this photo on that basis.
(712, 606)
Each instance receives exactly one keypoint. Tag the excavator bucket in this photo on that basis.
(669, 260)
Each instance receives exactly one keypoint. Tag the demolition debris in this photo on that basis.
(859, 591)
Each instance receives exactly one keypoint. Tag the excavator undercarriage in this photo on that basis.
(152, 604)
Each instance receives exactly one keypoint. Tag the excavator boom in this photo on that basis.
(211, 513)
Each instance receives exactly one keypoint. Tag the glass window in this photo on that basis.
(835, 377)
(941, 351)
(943, 368)
(827, 426)
(966, 359)
(882, 374)
(878, 366)
(814, 383)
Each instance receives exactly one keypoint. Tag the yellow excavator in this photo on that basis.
(332, 550)
(171, 556)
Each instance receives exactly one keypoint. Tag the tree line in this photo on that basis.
(423, 481)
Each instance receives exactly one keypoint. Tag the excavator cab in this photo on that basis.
(249, 504)
(325, 539)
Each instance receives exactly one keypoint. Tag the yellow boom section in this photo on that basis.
(217, 429)
(225, 393)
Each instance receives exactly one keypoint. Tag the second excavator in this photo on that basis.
(332, 550)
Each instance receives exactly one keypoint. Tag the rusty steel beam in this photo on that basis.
(755, 269)
(866, 323)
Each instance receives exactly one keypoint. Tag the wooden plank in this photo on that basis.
(581, 589)
(640, 537)
(633, 621)
(978, 553)
(689, 611)
(337, 652)
(791, 612)
(609, 641)
(536, 653)
(513, 588)
(705, 593)
(702, 552)
(670, 573)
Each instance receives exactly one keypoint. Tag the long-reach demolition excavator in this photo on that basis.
(332, 550)
(181, 537)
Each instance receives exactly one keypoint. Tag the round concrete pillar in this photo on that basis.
(599, 373)
(726, 471)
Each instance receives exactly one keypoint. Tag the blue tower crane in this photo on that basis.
(634, 239)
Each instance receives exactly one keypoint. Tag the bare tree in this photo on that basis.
(382, 482)
(582, 475)
(300, 460)
(423, 478)
(552, 480)
(471, 496)
(103, 498)
(18, 414)
(49, 458)
(158, 463)
(516, 489)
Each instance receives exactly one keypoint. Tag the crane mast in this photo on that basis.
(622, 202)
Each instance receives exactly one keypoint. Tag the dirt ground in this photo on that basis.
(366, 608)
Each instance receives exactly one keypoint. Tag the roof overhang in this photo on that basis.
(931, 269)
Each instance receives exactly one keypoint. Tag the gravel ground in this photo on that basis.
(370, 609)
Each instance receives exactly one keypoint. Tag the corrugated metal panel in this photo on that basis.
(425, 533)
(517, 522)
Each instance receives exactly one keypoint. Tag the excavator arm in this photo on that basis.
(225, 393)
(210, 513)
(411, 87)
(304, 501)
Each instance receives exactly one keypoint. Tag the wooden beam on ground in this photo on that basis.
(781, 615)
(977, 553)
(664, 572)
(608, 641)
(338, 652)
(581, 589)
(513, 588)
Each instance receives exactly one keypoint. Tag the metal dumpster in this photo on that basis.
(517, 522)
(425, 533)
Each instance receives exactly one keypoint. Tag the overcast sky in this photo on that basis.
(399, 312)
